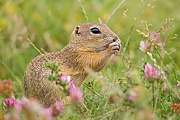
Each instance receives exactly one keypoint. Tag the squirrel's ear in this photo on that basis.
(77, 30)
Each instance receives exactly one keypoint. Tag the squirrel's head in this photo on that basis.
(93, 37)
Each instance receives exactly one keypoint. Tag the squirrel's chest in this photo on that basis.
(98, 64)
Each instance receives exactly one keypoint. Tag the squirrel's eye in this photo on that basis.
(95, 30)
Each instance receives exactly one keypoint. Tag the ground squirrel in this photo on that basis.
(91, 46)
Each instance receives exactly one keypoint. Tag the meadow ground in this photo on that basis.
(141, 83)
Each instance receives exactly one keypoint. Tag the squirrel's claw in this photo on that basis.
(115, 47)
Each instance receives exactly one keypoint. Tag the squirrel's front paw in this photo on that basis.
(115, 47)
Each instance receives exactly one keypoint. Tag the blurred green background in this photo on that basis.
(49, 23)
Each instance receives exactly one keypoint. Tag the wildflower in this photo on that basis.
(24, 100)
(12, 103)
(113, 98)
(75, 93)
(146, 46)
(65, 78)
(152, 74)
(57, 109)
(30, 105)
(30, 108)
(46, 114)
(132, 96)
(157, 38)
(164, 87)
(15, 105)
(6, 88)
(175, 107)
(127, 74)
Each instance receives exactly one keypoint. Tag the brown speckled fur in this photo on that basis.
(85, 50)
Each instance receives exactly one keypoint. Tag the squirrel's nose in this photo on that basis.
(115, 39)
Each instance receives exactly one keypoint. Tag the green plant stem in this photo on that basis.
(125, 47)
(93, 90)
(85, 106)
(153, 97)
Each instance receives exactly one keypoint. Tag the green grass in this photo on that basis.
(49, 23)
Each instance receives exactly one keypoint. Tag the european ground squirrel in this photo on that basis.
(91, 46)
